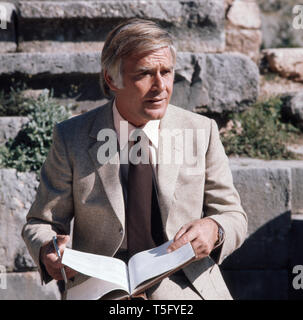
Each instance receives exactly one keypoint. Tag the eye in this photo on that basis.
(166, 72)
(143, 74)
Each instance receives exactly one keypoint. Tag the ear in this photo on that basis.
(110, 82)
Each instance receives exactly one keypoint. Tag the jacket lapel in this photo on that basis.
(168, 170)
(109, 168)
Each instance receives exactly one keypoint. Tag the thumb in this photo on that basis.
(62, 241)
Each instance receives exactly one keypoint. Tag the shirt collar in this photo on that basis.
(151, 128)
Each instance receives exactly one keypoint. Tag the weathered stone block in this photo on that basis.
(277, 24)
(60, 46)
(244, 14)
(7, 27)
(220, 82)
(50, 63)
(10, 126)
(297, 193)
(17, 192)
(245, 41)
(196, 26)
(27, 286)
(265, 192)
(288, 62)
(257, 284)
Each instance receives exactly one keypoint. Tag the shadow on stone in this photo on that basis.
(258, 270)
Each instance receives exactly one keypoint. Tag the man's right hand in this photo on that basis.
(52, 263)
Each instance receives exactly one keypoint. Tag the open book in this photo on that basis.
(114, 279)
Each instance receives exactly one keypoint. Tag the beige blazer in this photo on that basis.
(74, 184)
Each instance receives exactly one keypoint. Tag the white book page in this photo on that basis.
(151, 263)
(91, 289)
(96, 266)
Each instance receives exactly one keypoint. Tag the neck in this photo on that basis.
(135, 122)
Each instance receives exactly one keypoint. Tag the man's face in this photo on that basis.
(148, 84)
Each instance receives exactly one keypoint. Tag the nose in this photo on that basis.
(158, 83)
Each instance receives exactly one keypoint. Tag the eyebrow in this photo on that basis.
(143, 69)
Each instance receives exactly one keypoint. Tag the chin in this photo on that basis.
(156, 113)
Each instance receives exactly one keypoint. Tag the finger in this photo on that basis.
(201, 249)
(180, 232)
(185, 228)
(54, 273)
(185, 238)
(53, 263)
(70, 273)
(57, 273)
(53, 260)
(198, 248)
(52, 269)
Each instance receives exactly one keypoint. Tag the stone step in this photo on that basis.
(60, 46)
(196, 26)
(27, 286)
(35, 64)
(17, 192)
(10, 126)
(220, 82)
(270, 191)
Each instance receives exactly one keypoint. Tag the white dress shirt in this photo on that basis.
(151, 130)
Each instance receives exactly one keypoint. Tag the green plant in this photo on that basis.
(259, 132)
(13, 103)
(29, 149)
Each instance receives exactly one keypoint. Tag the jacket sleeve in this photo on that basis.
(52, 210)
(221, 199)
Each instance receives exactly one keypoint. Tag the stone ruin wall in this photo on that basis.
(57, 44)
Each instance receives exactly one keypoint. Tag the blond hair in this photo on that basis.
(133, 35)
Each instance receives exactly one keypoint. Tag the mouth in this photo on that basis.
(155, 100)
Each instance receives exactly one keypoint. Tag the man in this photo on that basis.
(188, 202)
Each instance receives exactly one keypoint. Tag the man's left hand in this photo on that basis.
(202, 233)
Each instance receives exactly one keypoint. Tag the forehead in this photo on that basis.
(160, 57)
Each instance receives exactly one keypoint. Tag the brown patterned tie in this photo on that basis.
(139, 200)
